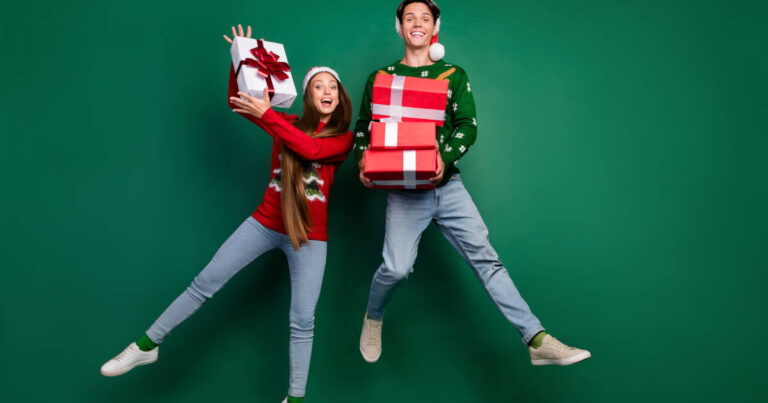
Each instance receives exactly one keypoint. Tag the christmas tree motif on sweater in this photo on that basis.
(312, 182)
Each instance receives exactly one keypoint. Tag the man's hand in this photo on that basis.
(440, 170)
(240, 31)
(251, 105)
(364, 179)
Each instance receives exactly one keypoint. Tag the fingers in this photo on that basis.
(265, 97)
(246, 96)
(226, 38)
(236, 100)
(364, 180)
(438, 176)
(234, 32)
(248, 34)
(240, 29)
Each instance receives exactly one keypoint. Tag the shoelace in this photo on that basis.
(125, 353)
(557, 344)
(372, 327)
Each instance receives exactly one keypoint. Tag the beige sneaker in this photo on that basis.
(553, 352)
(370, 339)
(131, 357)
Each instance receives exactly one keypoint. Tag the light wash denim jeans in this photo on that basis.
(250, 240)
(409, 212)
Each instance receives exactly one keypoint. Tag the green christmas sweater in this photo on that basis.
(458, 132)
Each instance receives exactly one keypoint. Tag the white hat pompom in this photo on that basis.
(436, 51)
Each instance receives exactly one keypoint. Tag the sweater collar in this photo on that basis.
(436, 65)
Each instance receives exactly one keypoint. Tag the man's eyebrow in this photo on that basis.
(414, 14)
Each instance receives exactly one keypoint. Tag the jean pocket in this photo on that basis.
(455, 177)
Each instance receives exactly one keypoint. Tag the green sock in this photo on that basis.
(145, 343)
(536, 340)
(292, 399)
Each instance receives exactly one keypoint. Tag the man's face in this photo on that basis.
(418, 25)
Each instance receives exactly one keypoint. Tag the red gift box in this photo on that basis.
(402, 136)
(409, 99)
(401, 169)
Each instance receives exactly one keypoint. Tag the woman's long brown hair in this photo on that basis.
(293, 200)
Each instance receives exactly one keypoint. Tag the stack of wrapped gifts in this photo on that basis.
(403, 150)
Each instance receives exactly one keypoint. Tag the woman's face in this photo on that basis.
(418, 25)
(325, 93)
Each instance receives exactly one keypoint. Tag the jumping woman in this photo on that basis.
(306, 152)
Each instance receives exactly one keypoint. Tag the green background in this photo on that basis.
(620, 167)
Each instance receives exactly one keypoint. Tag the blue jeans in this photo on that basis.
(250, 240)
(409, 212)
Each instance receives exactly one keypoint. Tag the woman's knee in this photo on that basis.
(302, 320)
(203, 287)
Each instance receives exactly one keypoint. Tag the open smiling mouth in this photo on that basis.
(326, 102)
(417, 34)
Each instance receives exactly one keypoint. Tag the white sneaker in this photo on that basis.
(370, 339)
(131, 357)
(553, 352)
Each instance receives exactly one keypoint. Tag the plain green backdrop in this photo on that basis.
(621, 167)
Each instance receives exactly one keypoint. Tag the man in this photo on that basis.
(409, 212)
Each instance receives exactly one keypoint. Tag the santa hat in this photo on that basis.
(319, 69)
(436, 49)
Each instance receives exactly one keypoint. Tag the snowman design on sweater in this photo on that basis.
(312, 181)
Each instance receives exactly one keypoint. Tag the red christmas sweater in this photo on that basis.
(324, 155)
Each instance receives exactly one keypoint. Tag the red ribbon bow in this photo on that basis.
(267, 65)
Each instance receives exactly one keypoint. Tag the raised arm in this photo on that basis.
(309, 148)
(233, 94)
(233, 90)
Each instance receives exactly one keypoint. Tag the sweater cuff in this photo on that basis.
(270, 115)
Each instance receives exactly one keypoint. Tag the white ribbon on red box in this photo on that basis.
(409, 180)
(390, 134)
(396, 111)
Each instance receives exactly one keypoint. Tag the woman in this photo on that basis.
(306, 153)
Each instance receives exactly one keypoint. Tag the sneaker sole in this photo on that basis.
(564, 361)
(369, 360)
(138, 364)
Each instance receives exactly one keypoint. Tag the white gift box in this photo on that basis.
(249, 79)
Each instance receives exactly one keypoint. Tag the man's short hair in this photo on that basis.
(429, 3)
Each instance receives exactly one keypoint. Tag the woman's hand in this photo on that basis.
(235, 33)
(251, 105)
